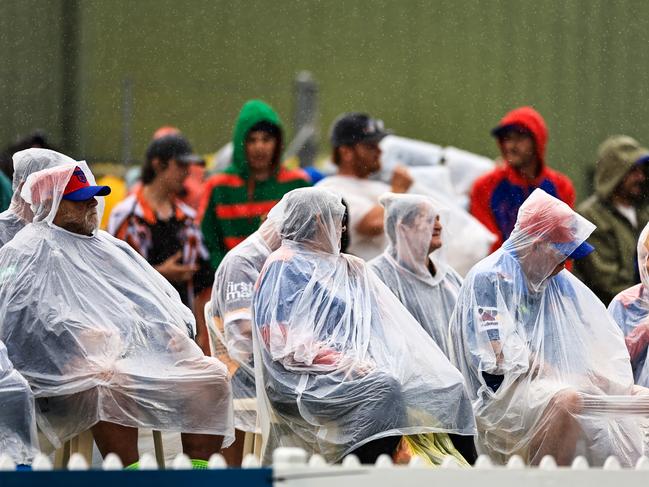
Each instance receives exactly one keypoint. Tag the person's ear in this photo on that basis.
(156, 164)
(346, 153)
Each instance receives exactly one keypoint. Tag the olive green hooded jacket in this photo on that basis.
(612, 267)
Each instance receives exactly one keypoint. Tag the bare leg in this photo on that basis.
(560, 430)
(118, 439)
(200, 447)
(234, 453)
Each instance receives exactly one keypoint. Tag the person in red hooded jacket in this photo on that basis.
(497, 195)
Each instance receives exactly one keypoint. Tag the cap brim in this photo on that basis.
(86, 193)
(582, 251)
(577, 253)
(190, 159)
(501, 130)
(642, 160)
(376, 137)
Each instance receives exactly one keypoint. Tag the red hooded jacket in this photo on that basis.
(497, 195)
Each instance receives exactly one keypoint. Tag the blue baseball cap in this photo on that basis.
(577, 253)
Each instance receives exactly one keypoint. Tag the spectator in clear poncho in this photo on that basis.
(630, 309)
(547, 367)
(231, 311)
(341, 366)
(18, 437)
(231, 326)
(19, 212)
(103, 340)
(413, 266)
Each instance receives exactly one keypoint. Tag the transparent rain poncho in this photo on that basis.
(546, 366)
(18, 437)
(19, 212)
(405, 266)
(339, 361)
(630, 309)
(231, 311)
(98, 333)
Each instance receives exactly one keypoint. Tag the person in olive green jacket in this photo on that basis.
(619, 210)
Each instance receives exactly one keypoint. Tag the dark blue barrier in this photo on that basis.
(254, 477)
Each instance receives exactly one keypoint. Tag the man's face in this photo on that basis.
(260, 149)
(436, 238)
(77, 216)
(174, 175)
(367, 158)
(632, 186)
(518, 148)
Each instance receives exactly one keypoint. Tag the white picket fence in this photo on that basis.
(293, 468)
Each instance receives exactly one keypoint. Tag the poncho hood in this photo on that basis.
(615, 158)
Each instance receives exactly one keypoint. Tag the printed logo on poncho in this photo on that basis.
(488, 318)
(238, 290)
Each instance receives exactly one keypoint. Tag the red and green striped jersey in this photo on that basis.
(229, 216)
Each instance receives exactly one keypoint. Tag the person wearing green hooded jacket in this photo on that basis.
(236, 200)
(619, 210)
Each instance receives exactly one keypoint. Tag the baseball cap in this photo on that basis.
(79, 189)
(577, 253)
(173, 146)
(354, 128)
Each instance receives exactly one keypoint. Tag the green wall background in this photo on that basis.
(438, 71)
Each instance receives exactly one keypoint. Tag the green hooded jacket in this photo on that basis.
(612, 267)
(233, 206)
(252, 112)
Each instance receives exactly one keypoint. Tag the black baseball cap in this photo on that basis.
(173, 146)
(354, 128)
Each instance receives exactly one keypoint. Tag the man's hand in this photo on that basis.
(174, 270)
(401, 180)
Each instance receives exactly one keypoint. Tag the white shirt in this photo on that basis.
(629, 213)
(360, 195)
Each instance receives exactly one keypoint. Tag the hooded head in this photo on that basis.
(26, 162)
(410, 223)
(547, 232)
(616, 157)
(530, 121)
(255, 113)
(643, 256)
(270, 228)
(44, 190)
(313, 217)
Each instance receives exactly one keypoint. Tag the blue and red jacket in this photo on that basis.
(497, 195)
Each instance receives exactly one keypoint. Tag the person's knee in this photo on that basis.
(567, 402)
(388, 389)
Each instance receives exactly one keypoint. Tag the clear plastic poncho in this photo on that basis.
(98, 333)
(18, 437)
(231, 311)
(630, 309)
(405, 266)
(339, 361)
(19, 212)
(547, 367)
